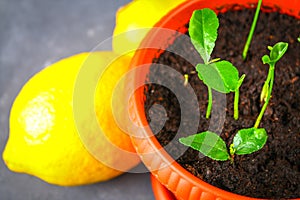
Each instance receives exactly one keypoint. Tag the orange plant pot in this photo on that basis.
(165, 169)
(160, 191)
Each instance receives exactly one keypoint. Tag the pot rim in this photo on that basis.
(160, 191)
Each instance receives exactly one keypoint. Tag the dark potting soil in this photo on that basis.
(272, 172)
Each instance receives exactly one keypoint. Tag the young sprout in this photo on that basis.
(252, 29)
(247, 140)
(186, 79)
(217, 75)
(276, 52)
(298, 38)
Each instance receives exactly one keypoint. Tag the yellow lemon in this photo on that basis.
(134, 20)
(50, 136)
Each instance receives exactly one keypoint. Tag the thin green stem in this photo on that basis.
(237, 98)
(266, 84)
(209, 105)
(271, 75)
(248, 42)
(236, 104)
(213, 60)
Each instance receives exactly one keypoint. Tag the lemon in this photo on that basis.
(47, 138)
(134, 20)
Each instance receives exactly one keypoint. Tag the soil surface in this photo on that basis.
(272, 172)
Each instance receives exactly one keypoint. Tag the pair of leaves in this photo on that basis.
(277, 51)
(246, 141)
(221, 76)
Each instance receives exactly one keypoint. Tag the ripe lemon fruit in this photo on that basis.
(134, 20)
(50, 137)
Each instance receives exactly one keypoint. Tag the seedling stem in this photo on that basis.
(270, 81)
(209, 105)
(252, 29)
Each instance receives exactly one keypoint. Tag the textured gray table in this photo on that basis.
(34, 33)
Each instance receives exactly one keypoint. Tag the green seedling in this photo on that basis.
(247, 140)
(210, 144)
(217, 75)
(298, 38)
(276, 52)
(252, 29)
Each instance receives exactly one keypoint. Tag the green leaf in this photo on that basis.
(266, 59)
(208, 143)
(203, 29)
(221, 76)
(298, 38)
(277, 51)
(249, 140)
(270, 48)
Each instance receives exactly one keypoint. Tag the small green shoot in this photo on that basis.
(298, 38)
(186, 79)
(276, 52)
(252, 29)
(218, 75)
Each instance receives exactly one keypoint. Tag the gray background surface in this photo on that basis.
(33, 34)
